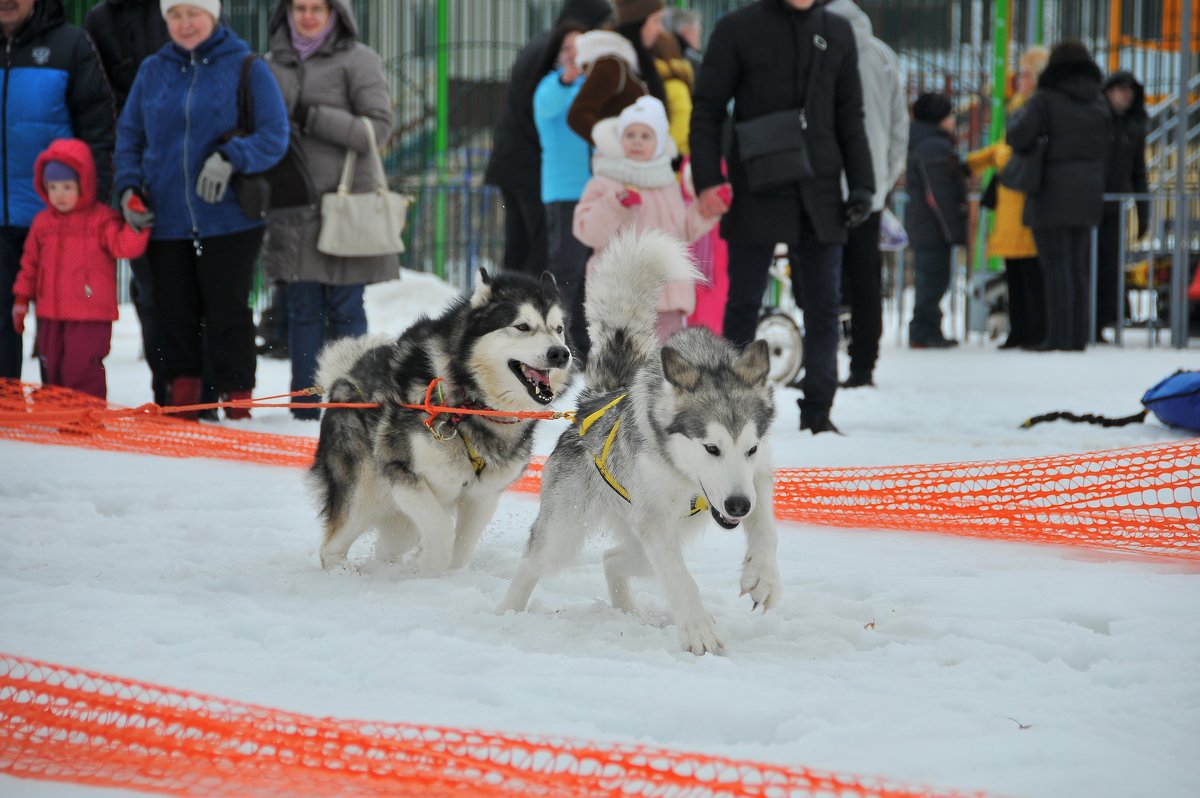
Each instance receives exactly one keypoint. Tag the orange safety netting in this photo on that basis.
(68, 725)
(1141, 500)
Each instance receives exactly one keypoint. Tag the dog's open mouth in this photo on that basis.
(725, 523)
(537, 382)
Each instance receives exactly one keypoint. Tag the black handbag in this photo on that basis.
(288, 183)
(773, 148)
(988, 198)
(1023, 172)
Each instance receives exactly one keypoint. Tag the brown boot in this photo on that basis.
(237, 413)
(186, 391)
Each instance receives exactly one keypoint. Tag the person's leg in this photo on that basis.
(177, 298)
(862, 289)
(1053, 253)
(533, 216)
(568, 259)
(820, 268)
(749, 262)
(516, 239)
(226, 275)
(1081, 281)
(1108, 261)
(306, 334)
(85, 345)
(12, 349)
(50, 344)
(932, 278)
(1018, 304)
(346, 316)
(141, 290)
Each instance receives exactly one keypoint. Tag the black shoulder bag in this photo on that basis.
(774, 147)
(287, 184)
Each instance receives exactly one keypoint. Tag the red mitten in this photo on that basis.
(20, 309)
(629, 198)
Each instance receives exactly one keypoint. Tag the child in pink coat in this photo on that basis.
(633, 185)
(69, 269)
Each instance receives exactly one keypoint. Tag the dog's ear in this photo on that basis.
(483, 288)
(754, 364)
(680, 373)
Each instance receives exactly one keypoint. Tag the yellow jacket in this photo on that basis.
(1009, 238)
(677, 78)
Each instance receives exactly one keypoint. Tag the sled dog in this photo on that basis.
(433, 484)
(664, 438)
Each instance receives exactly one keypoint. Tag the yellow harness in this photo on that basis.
(698, 503)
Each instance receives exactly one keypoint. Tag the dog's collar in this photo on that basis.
(698, 503)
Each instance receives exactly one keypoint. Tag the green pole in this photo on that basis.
(441, 141)
(1000, 39)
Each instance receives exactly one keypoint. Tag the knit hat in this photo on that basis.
(213, 7)
(57, 170)
(648, 111)
(931, 108)
(633, 10)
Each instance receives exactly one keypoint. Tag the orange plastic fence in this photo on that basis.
(1141, 500)
(69, 725)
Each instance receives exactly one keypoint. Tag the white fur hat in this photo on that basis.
(213, 7)
(648, 111)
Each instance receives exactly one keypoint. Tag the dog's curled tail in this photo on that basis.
(622, 302)
(337, 359)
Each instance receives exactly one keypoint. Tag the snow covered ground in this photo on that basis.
(1014, 669)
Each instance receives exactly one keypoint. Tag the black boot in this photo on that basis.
(815, 419)
(859, 379)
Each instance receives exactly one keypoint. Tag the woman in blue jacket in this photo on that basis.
(174, 167)
(565, 171)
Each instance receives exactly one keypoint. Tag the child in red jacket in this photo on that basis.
(68, 269)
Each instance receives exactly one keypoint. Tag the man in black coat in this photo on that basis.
(935, 216)
(1125, 174)
(515, 166)
(763, 57)
(53, 88)
(125, 33)
(1071, 115)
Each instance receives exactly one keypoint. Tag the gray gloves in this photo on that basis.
(134, 209)
(214, 178)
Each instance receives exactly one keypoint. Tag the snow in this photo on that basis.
(956, 663)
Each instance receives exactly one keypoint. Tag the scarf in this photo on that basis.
(307, 45)
(654, 173)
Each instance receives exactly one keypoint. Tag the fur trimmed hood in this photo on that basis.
(590, 47)
(1077, 79)
(1138, 109)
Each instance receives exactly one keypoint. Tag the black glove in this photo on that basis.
(858, 207)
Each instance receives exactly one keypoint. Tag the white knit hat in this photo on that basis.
(213, 7)
(648, 111)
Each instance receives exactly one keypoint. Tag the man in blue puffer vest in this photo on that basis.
(51, 87)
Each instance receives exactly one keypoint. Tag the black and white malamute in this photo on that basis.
(433, 488)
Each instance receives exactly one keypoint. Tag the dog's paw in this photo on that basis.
(433, 561)
(699, 636)
(761, 580)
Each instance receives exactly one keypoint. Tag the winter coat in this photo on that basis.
(678, 83)
(1010, 238)
(565, 156)
(515, 163)
(126, 33)
(885, 111)
(613, 81)
(936, 213)
(180, 106)
(1126, 169)
(68, 267)
(1070, 111)
(53, 88)
(599, 214)
(342, 81)
(753, 57)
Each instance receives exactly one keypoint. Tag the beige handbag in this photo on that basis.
(362, 225)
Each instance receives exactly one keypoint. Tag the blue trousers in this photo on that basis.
(318, 314)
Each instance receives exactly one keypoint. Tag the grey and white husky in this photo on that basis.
(664, 438)
(434, 487)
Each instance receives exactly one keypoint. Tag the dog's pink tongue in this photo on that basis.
(536, 376)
